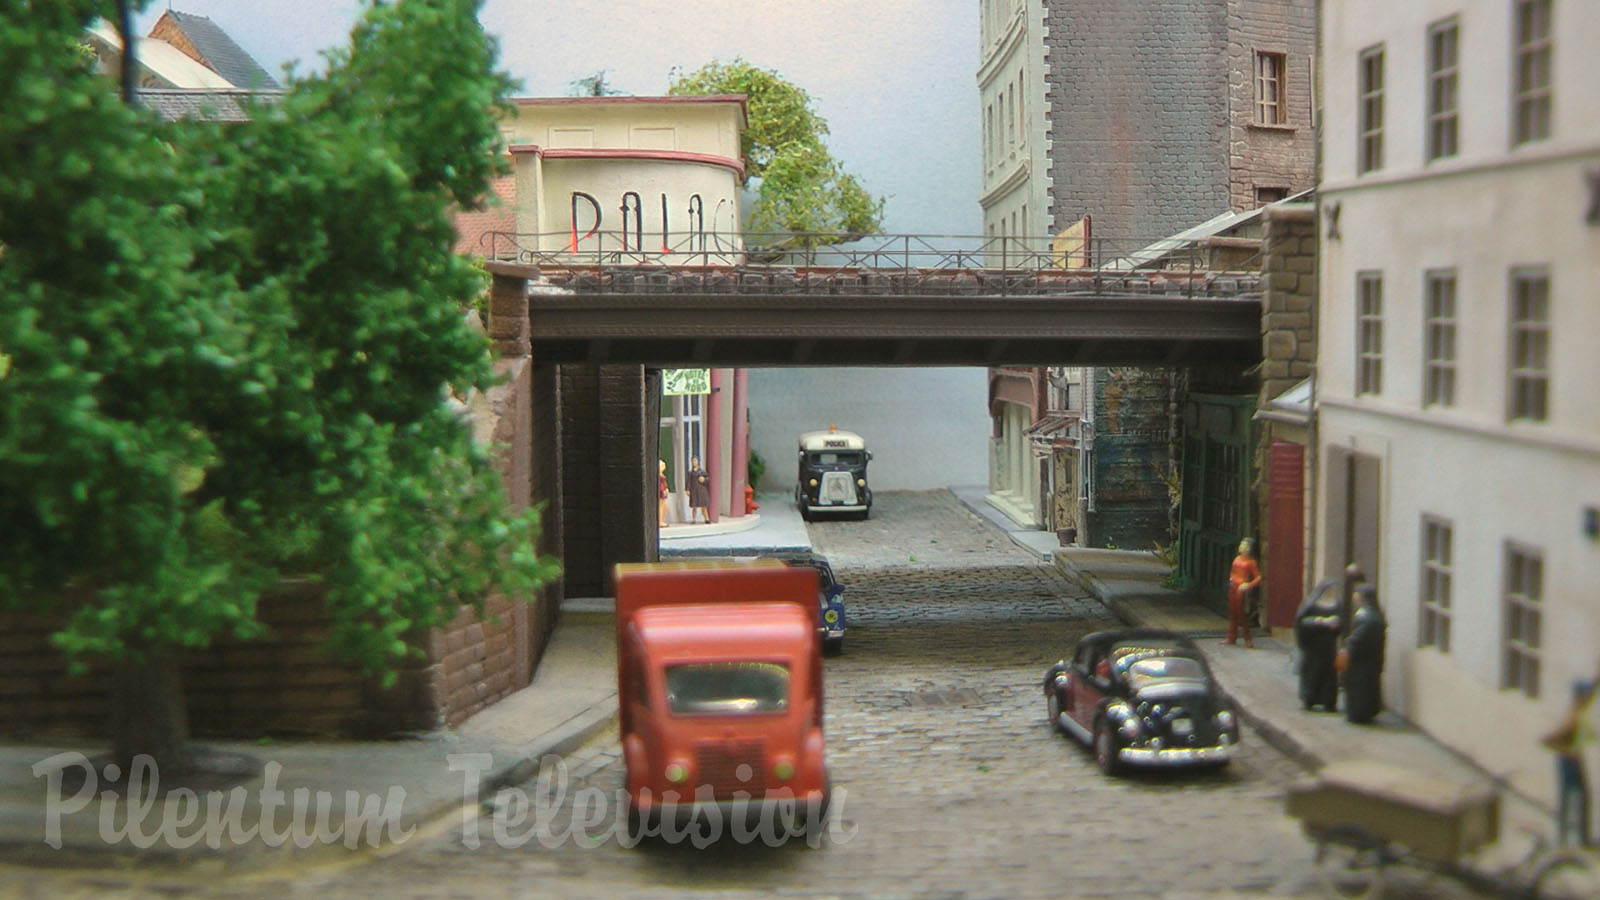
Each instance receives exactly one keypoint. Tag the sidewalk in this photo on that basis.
(1264, 686)
(777, 528)
(403, 784)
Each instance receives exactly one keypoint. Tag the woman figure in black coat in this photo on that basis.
(1363, 687)
(1317, 626)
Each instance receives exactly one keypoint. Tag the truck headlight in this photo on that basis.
(783, 769)
(677, 773)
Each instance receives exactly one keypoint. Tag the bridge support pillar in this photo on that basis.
(610, 425)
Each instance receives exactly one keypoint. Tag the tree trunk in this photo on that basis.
(149, 715)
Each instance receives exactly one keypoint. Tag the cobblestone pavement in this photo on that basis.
(948, 780)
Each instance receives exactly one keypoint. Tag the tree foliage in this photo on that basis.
(227, 345)
(803, 189)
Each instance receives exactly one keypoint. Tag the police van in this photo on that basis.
(833, 473)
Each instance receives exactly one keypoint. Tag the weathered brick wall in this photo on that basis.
(1138, 106)
(285, 684)
(1263, 156)
(610, 417)
(1132, 434)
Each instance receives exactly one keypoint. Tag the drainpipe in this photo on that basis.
(713, 447)
(741, 442)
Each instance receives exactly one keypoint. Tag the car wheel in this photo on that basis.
(1105, 748)
(1053, 704)
(832, 646)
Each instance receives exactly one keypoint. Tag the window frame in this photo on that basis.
(1369, 109)
(1369, 333)
(1444, 85)
(1528, 346)
(1273, 109)
(1532, 71)
(1439, 332)
(1435, 577)
(1521, 659)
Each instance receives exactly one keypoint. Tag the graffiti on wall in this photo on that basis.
(585, 206)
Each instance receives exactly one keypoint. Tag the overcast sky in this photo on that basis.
(893, 78)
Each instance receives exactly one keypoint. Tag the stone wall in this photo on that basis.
(1288, 300)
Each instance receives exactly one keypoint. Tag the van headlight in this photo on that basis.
(861, 482)
(812, 482)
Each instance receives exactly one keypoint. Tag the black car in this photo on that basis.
(830, 599)
(1142, 697)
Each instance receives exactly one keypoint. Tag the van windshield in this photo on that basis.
(727, 688)
(851, 458)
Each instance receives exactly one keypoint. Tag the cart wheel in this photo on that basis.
(1569, 876)
(1350, 861)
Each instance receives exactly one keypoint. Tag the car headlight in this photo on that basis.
(1225, 720)
(1182, 728)
(1130, 728)
(831, 616)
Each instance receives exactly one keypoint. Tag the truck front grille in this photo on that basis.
(721, 763)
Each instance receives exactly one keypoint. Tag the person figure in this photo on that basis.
(699, 491)
(1363, 658)
(1318, 625)
(1568, 741)
(661, 502)
(1354, 577)
(1243, 577)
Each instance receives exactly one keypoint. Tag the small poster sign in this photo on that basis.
(677, 382)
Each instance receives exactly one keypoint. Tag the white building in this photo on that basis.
(1458, 376)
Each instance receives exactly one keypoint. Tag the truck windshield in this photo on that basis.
(850, 458)
(727, 688)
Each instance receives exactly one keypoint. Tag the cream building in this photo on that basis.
(641, 175)
(1456, 391)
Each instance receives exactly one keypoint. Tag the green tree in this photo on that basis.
(803, 190)
(227, 348)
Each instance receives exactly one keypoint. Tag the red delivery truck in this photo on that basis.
(719, 688)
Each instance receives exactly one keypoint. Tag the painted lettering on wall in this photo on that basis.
(585, 207)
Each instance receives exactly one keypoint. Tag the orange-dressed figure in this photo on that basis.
(1244, 577)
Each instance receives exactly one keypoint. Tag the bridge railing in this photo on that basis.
(887, 263)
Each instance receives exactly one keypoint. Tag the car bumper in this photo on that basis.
(1176, 756)
(830, 634)
(836, 507)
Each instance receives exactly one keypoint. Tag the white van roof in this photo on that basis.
(832, 439)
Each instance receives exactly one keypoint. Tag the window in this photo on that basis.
(1531, 100)
(1369, 154)
(1443, 104)
(1434, 630)
(1524, 590)
(1369, 333)
(1439, 366)
(1269, 89)
(1265, 195)
(1011, 115)
(1530, 346)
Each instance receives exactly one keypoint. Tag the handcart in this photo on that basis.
(1366, 817)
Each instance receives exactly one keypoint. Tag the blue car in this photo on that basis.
(830, 600)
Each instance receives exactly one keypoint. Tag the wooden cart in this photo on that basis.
(1366, 816)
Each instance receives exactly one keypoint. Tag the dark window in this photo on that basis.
(1530, 346)
(1531, 86)
(1523, 600)
(1369, 93)
(1369, 333)
(727, 688)
(1269, 89)
(1437, 538)
(1443, 81)
(1439, 368)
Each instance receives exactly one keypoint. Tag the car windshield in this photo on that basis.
(727, 688)
(850, 458)
(1142, 671)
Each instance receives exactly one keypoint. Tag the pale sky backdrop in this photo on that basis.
(893, 78)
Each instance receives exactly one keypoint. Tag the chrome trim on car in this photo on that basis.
(1175, 756)
(1071, 725)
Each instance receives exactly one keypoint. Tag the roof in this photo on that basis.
(1185, 239)
(745, 630)
(218, 51)
(812, 440)
(1116, 636)
(739, 99)
(212, 105)
(166, 62)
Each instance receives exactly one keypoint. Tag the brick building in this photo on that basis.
(1143, 119)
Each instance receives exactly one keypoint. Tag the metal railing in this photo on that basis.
(883, 263)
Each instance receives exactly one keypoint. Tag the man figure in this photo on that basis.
(699, 491)
(1568, 741)
(1243, 577)
(1363, 658)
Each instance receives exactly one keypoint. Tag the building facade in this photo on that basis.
(1458, 422)
(1143, 119)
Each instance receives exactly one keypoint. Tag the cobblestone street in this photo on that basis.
(949, 782)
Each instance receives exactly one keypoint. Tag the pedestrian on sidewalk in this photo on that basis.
(1318, 625)
(661, 502)
(699, 491)
(1569, 741)
(1243, 577)
(1363, 658)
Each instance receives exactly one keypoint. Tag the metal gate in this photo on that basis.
(1215, 509)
